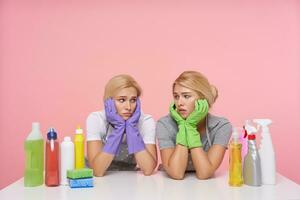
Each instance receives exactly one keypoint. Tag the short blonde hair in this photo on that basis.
(198, 83)
(119, 82)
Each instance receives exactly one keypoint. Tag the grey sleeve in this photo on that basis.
(223, 134)
(164, 136)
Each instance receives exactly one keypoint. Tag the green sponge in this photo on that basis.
(80, 173)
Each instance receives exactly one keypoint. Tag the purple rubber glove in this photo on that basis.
(114, 139)
(134, 139)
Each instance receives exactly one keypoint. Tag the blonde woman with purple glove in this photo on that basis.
(121, 137)
(190, 138)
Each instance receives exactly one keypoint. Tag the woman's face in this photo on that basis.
(184, 100)
(125, 100)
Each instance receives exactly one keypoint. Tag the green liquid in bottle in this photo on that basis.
(34, 163)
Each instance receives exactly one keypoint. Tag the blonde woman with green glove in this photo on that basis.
(190, 138)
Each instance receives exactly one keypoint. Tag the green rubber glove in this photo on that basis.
(188, 134)
(181, 135)
(193, 136)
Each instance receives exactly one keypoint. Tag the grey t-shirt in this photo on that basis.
(219, 132)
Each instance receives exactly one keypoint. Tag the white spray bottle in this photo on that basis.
(252, 166)
(266, 153)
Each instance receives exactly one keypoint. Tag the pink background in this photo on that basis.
(55, 58)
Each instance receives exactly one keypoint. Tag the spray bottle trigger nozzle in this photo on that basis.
(245, 132)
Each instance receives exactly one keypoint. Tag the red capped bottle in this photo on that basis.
(52, 157)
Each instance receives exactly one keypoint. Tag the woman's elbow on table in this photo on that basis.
(203, 176)
(98, 174)
(149, 170)
(176, 175)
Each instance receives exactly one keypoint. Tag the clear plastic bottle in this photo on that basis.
(252, 166)
(34, 157)
(235, 161)
(79, 149)
(52, 158)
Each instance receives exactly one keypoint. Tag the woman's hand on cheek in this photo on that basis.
(174, 114)
(199, 113)
(134, 139)
(114, 139)
(136, 114)
(111, 113)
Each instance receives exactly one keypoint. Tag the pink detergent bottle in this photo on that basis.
(52, 157)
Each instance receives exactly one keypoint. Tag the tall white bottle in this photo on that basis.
(266, 153)
(66, 159)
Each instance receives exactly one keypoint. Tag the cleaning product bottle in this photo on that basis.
(235, 160)
(34, 157)
(252, 167)
(79, 148)
(266, 153)
(66, 159)
(52, 156)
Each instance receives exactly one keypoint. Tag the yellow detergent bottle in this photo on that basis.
(79, 149)
(235, 161)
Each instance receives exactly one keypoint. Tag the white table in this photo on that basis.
(133, 185)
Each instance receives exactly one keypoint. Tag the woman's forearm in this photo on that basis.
(145, 161)
(101, 162)
(177, 162)
(206, 163)
(202, 164)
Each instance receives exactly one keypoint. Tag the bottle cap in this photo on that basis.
(78, 130)
(36, 126)
(235, 135)
(67, 139)
(51, 135)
